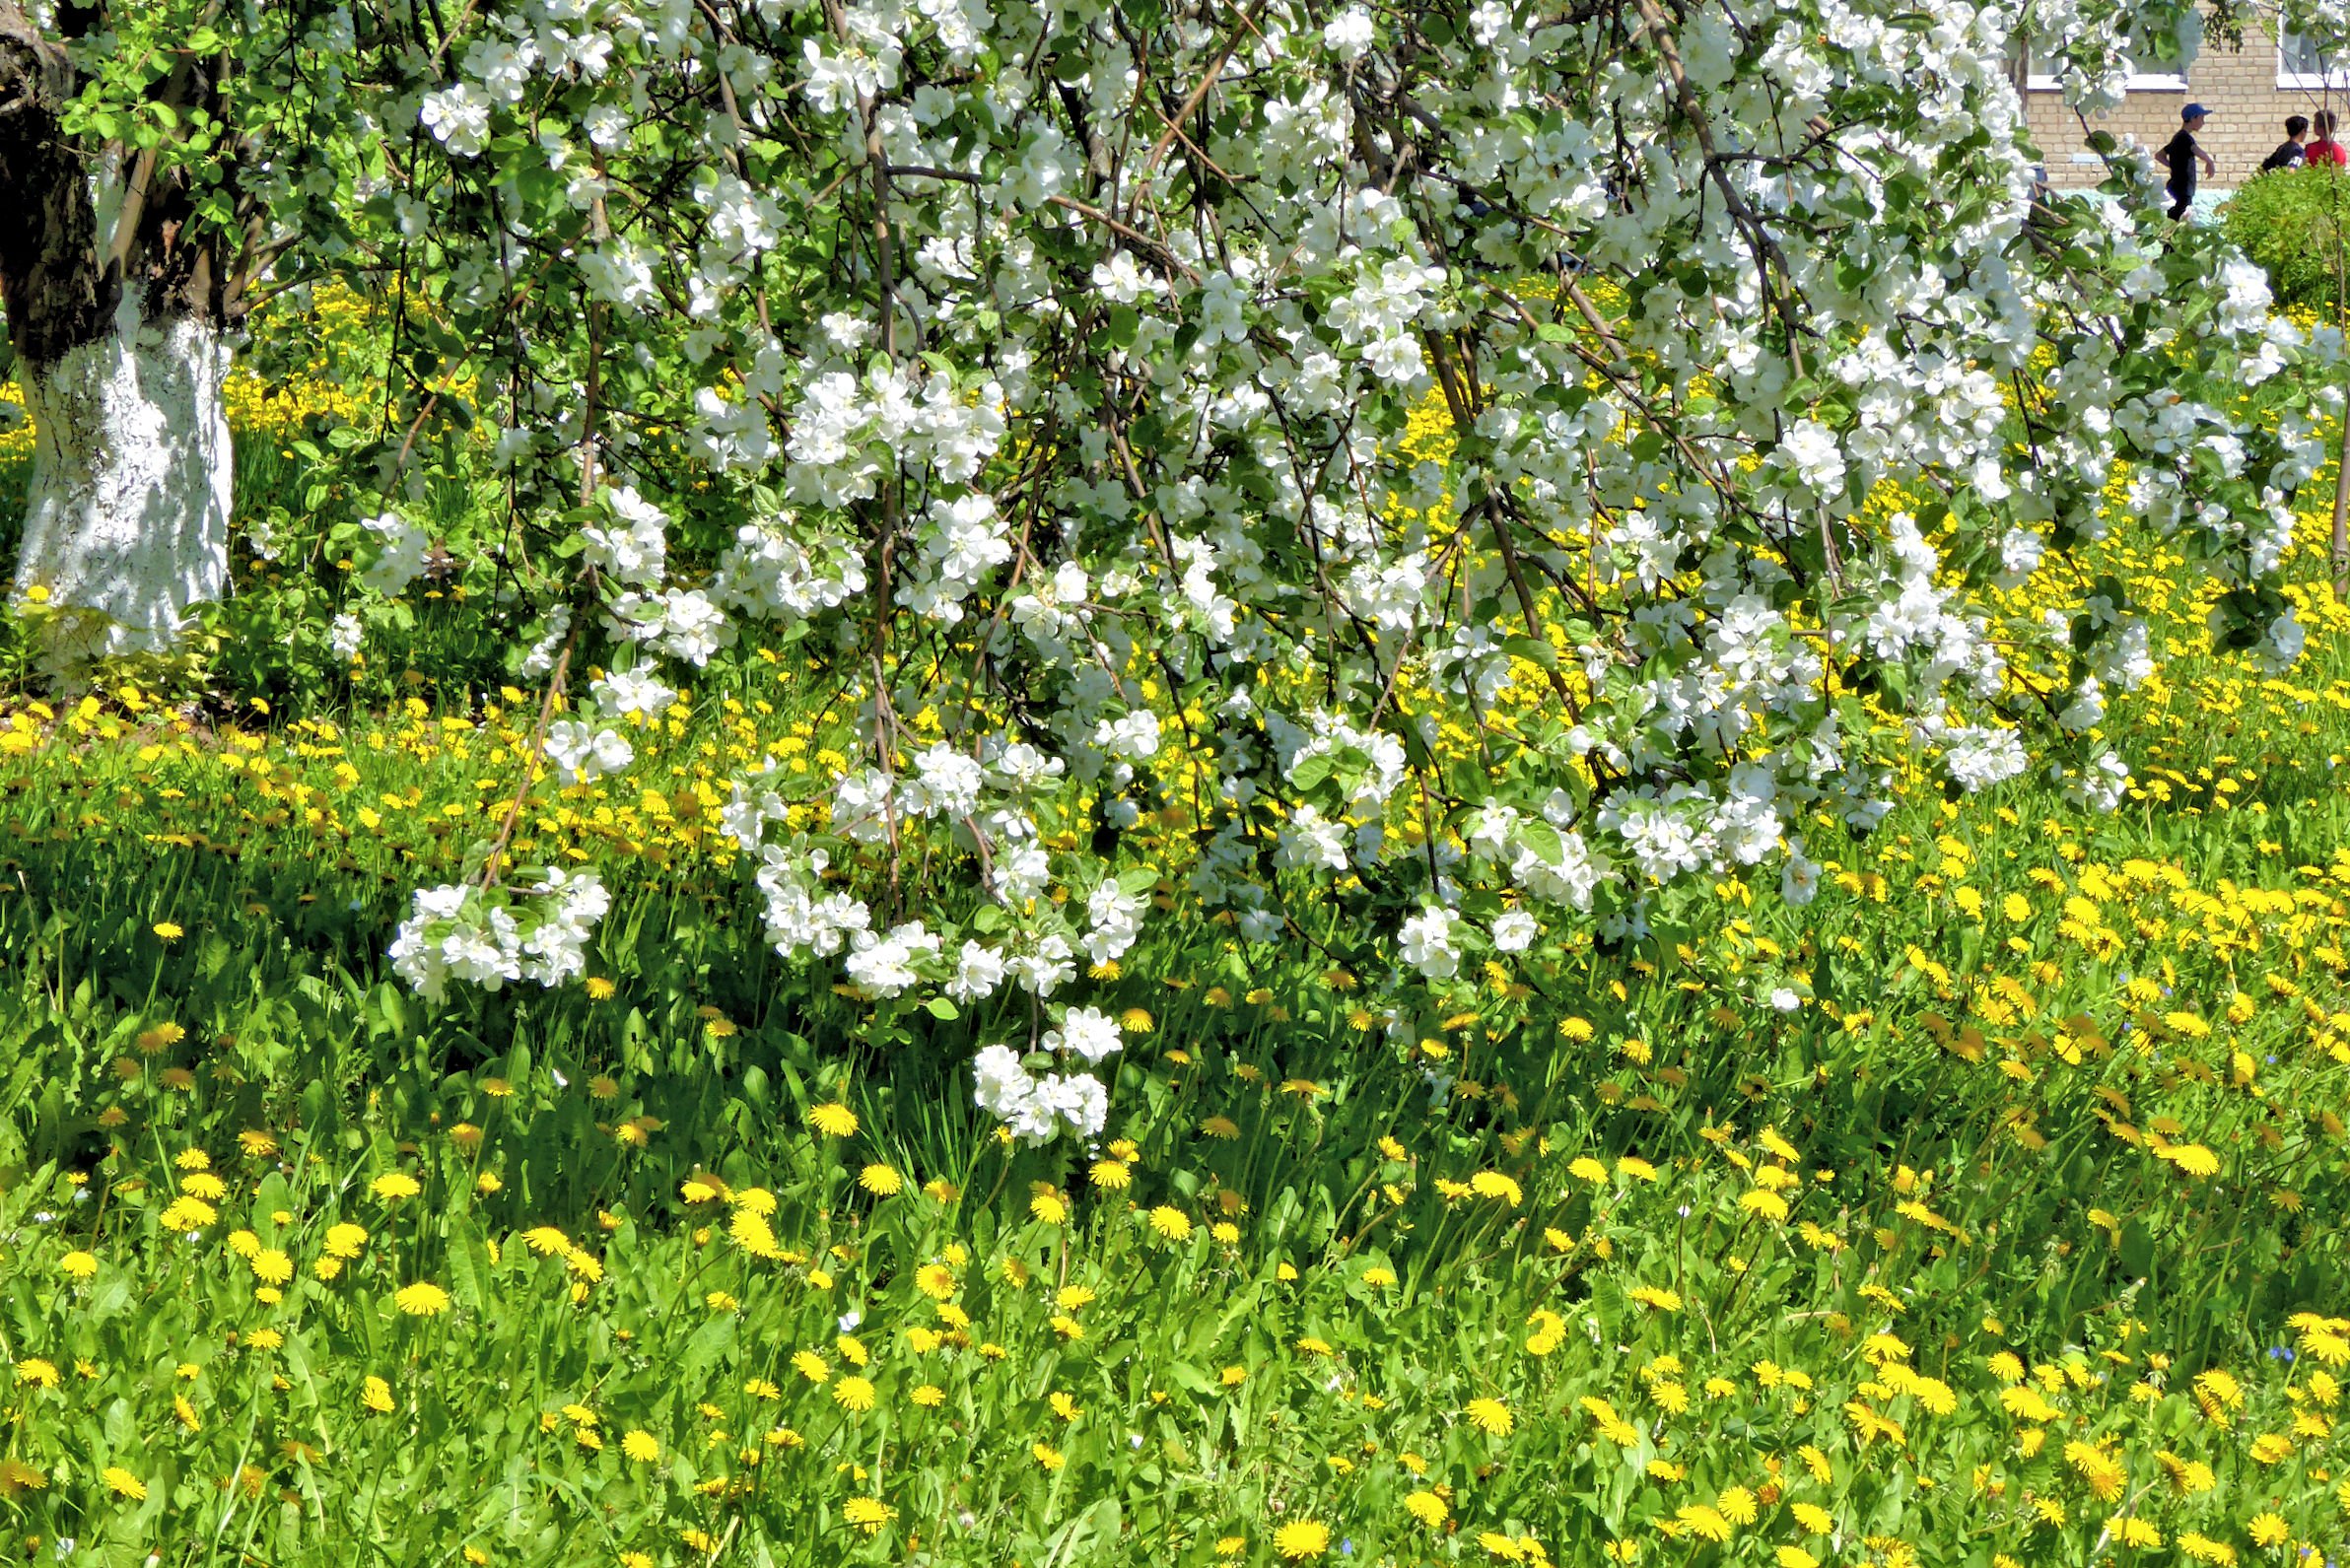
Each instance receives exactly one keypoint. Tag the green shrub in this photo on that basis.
(2292, 222)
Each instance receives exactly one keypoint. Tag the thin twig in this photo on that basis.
(530, 763)
(1216, 69)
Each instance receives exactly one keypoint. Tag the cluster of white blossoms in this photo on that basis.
(1036, 1103)
(487, 937)
(1010, 400)
(399, 556)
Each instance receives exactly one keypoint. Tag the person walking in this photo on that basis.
(2289, 153)
(2182, 154)
(2323, 149)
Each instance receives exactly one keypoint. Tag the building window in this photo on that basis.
(2144, 77)
(2300, 69)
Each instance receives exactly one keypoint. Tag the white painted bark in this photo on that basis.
(127, 517)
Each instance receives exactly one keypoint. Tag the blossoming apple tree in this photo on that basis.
(1048, 367)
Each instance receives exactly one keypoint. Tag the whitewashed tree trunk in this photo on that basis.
(121, 297)
(126, 525)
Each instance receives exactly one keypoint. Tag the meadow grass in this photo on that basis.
(1987, 1212)
(1988, 1209)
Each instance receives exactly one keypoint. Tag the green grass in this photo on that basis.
(1986, 1252)
(1318, 1362)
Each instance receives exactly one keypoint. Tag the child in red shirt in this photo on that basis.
(2324, 149)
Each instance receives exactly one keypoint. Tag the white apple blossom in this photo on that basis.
(1085, 1033)
(400, 553)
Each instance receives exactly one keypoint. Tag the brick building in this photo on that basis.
(2248, 91)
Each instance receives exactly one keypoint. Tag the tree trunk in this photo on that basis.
(121, 310)
(126, 525)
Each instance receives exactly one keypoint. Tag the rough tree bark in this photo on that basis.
(122, 313)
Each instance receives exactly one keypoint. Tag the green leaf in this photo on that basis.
(1533, 650)
(468, 1265)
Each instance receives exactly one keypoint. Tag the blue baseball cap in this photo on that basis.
(2193, 112)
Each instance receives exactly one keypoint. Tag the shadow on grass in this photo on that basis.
(265, 1005)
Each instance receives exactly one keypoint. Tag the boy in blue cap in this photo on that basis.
(2181, 154)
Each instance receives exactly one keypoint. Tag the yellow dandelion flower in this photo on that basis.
(2217, 1387)
(1171, 1223)
(122, 1483)
(2272, 1448)
(834, 1121)
(1492, 1183)
(853, 1394)
(2192, 1158)
(748, 1229)
(882, 1181)
(422, 1300)
(1301, 1539)
(1489, 1416)
(375, 1395)
(867, 1514)
(1705, 1523)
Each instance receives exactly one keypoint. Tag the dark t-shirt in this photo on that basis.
(2285, 157)
(2180, 154)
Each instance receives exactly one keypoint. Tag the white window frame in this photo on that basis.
(2334, 79)
(2136, 82)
